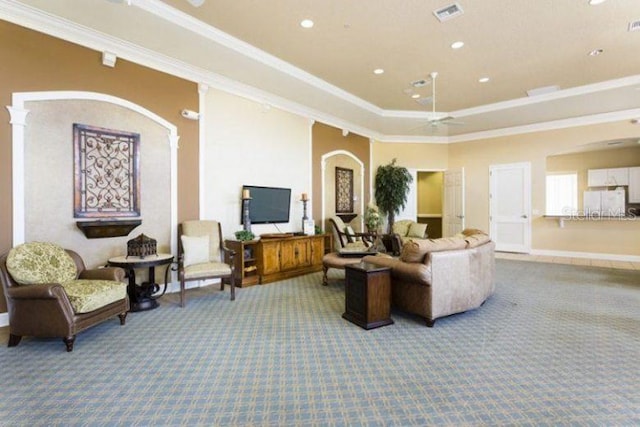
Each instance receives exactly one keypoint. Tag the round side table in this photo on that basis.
(141, 296)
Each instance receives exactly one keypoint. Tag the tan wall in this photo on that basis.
(609, 237)
(325, 140)
(411, 156)
(32, 61)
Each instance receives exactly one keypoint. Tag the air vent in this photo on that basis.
(448, 12)
(425, 101)
(634, 25)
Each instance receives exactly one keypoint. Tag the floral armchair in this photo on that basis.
(50, 293)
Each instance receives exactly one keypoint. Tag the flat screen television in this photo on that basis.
(268, 205)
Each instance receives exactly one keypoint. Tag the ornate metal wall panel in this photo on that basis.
(344, 190)
(106, 173)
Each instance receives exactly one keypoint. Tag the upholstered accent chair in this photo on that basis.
(50, 293)
(345, 238)
(201, 255)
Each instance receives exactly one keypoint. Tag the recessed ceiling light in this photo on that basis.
(415, 96)
(457, 45)
(596, 52)
(483, 79)
(378, 71)
(595, 2)
(306, 23)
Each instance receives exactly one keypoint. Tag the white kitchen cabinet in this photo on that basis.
(604, 203)
(612, 203)
(607, 177)
(634, 185)
(591, 202)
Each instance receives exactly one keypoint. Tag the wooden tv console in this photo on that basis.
(276, 258)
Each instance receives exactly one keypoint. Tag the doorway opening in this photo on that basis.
(430, 186)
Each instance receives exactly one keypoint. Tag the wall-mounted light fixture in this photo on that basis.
(109, 59)
(345, 132)
(190, 114)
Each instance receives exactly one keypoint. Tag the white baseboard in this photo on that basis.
(589, 255)
(4, 319)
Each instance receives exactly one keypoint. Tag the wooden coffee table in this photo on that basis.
(367, 295)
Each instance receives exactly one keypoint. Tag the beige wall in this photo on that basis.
(49, 152)
(246, 143)
(412, 156)
(604, 237)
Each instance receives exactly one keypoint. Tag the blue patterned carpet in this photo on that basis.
(556, 345)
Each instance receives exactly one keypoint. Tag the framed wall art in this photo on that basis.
(344, 190)
(106, 172)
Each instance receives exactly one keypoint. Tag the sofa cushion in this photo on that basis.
(40, 262)
(206, 270)
(417, 230)
(415, 250)
(401, 227)
(476, 240)
(88, 295)
(196, 249)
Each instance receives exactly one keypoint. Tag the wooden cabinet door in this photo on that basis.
(294, 254)
(317, 250)
(271, 253)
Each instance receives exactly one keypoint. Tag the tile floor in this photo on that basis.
(625, 265)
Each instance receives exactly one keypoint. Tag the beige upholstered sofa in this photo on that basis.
(438, 277)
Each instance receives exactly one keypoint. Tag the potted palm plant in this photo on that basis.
(391, 189)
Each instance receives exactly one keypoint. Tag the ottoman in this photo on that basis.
(334, 260)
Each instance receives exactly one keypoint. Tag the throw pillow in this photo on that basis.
(417, 230)
(196, 249)
(401, 227)
(40, 262)
(351, 235)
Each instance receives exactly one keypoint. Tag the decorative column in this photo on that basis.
(304, 199)
(246, 220)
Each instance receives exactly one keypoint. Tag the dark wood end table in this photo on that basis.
(141, 296)
(368, 295)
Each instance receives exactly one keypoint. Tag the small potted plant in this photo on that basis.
(372, 218)
(244, 235)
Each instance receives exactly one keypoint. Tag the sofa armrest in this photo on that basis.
(44, 291)
(107, 273)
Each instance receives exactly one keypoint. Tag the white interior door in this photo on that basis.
(453, 209)
(510, 207)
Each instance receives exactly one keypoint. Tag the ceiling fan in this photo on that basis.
(435, 121)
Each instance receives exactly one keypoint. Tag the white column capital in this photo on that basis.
(18, 115)
(203, 88)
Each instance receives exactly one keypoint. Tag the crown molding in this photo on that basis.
(38, 20)
(593, 119)
(553, 96)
